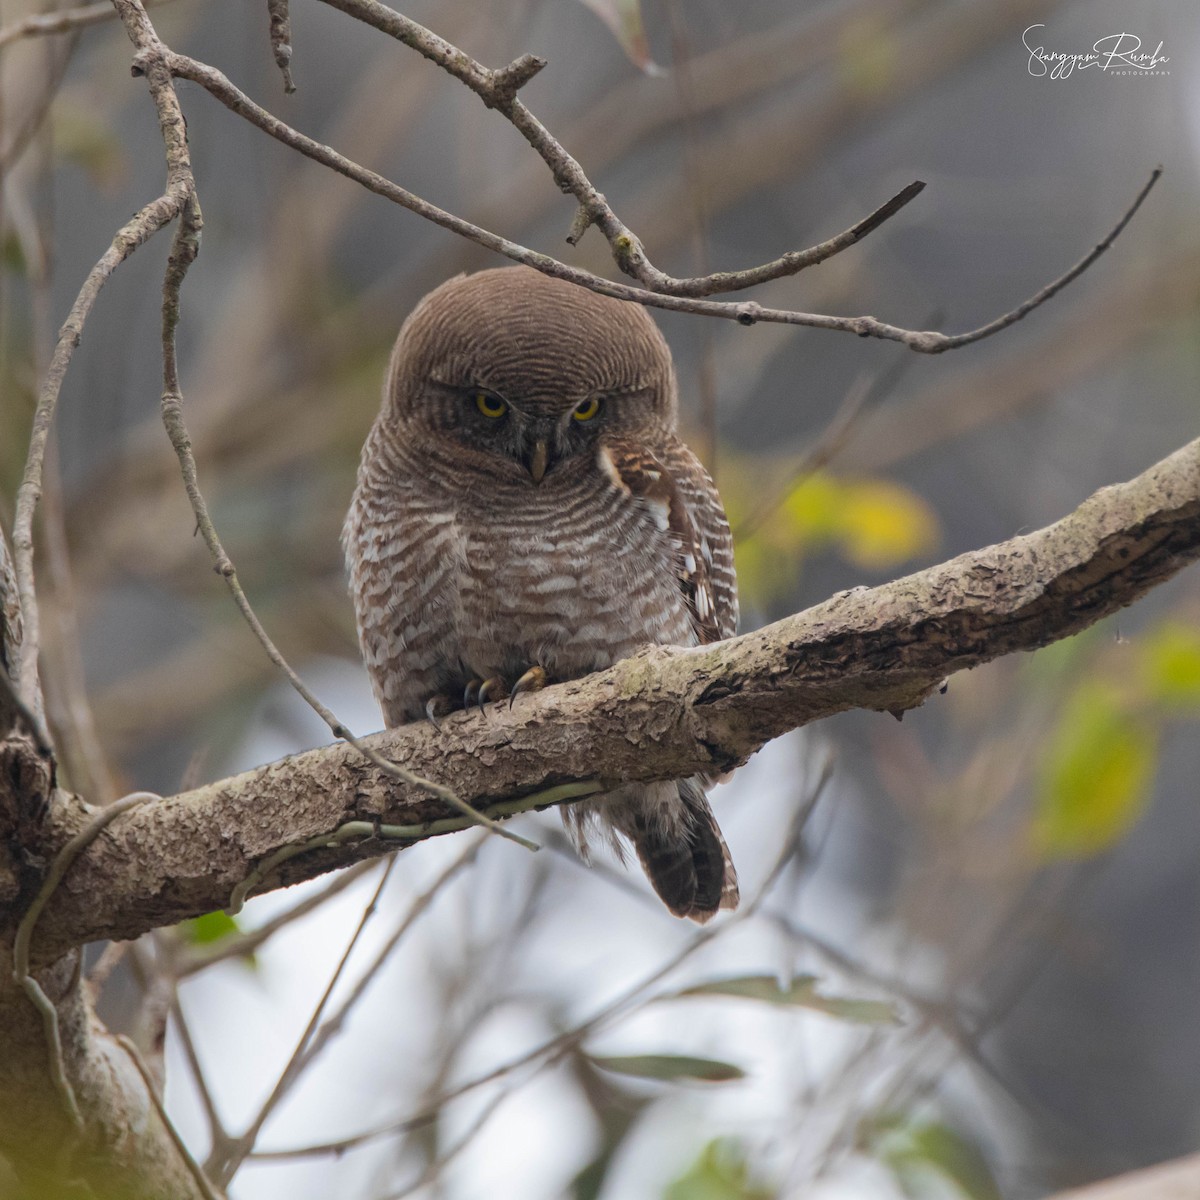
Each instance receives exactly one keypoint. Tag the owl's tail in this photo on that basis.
(676, 838)
(684, 855)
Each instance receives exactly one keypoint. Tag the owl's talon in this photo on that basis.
(492, 689)
(471, 692)
(431, 710)
(532, 681)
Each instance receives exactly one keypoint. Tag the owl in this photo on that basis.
(526, 513)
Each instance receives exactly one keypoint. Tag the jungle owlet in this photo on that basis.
(526, 513)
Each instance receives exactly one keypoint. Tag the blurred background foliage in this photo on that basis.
(1013, 866)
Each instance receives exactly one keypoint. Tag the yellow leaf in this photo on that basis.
(1095, 776)
(883, 524)
(873, 523)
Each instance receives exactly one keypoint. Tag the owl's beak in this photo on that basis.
(538, 460)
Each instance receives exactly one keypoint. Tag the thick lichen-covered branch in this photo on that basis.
(662, 714)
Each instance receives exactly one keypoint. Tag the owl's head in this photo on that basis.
(525, 373)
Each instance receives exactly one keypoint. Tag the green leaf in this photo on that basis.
(753, 987)
(589, 1181)
(617, 1108)
(801, 992)
(1171, 663)
(925, 1154)
(212, 927)
(12, 255)
(1095, 775)
(720, 1172)
(670, 1066)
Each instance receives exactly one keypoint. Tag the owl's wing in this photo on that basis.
(680, 492)
(712, 533)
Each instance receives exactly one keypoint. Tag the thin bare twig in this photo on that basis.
(29, 718)
(74, 730)
(280, 22)
(241, 945)
(315, 1036)
(334, 1023)
(229, 1154)
(18, 143)
(145, 223)
(198, 1176)
(864, 393)
(216, 1127)
(158, 985)
(555, 1048)
(1055, 286)
(498, 90)
(66, 21)
(436, 1166)
(744, 312)
(81, 747)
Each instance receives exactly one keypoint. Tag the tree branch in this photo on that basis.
(663, 714)
(498, 90)
(658, 290)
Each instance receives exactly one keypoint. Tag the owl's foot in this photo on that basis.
(478, 692)
(532, 681)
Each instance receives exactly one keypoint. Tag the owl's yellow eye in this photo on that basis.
(587, 410)
(489, 405)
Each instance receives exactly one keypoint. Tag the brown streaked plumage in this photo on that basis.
(524, 501)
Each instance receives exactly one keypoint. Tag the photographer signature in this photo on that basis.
(1118, 52)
